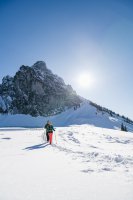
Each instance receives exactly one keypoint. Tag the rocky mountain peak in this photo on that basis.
(36, 91)
(40, 65)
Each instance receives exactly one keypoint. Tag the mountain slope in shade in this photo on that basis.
(85, 114)
(36, 91)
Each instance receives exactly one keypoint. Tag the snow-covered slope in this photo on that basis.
(86, 163)
(85, 114)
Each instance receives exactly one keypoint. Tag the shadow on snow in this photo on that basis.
(6, 138)
(38, 146)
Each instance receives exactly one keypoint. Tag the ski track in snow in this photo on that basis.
(81, 145)
(97, 149)
(85, 153)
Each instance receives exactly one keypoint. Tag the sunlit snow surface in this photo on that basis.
(86, 163)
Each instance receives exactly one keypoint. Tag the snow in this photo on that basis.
(2, 104)
(85, 114)
(86, 163)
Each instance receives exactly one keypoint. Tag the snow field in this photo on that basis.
(86, 163)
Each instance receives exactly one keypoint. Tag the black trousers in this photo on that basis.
(47, 137)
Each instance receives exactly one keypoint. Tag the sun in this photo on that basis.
(85, 80)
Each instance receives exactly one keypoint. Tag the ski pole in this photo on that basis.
(44, 135)
(55, 138)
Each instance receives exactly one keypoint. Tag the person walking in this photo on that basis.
(46, 127)
(49, 131)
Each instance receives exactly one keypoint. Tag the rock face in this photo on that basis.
(36, 91)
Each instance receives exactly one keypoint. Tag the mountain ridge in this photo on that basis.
(37, 92)
(85, 114)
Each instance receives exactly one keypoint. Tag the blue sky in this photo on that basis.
(73, 37)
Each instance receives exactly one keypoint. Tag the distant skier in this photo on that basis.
(49, 131)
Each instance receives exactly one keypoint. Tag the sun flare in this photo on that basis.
(85, 80)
